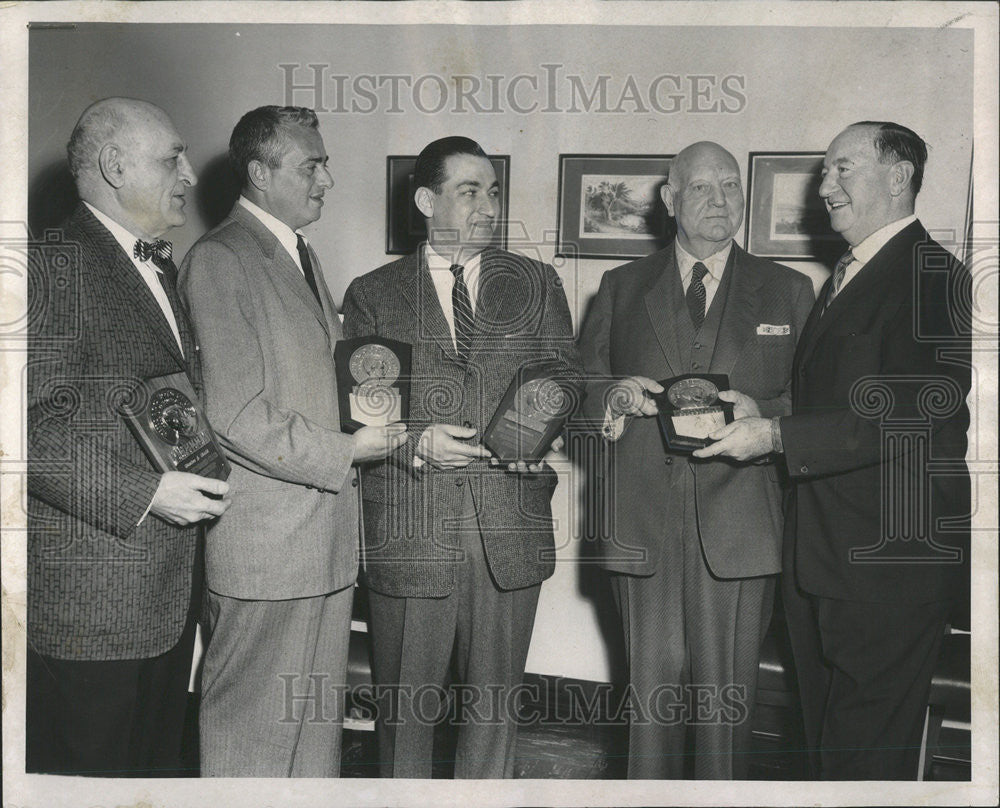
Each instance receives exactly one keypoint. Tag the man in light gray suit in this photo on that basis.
(280, 571)
(694, 546)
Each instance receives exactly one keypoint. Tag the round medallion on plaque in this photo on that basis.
(689, 394)
(541, 397)
(374, 362)
(172, 415)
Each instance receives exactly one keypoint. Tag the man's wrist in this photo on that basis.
(776, 445)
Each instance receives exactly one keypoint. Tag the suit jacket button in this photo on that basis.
(467, 424)
(804, 470)
(696, 365)
(668, 460)
(354, 483)
(459, 481)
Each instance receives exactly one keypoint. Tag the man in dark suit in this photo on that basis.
(280, 568)
(693, 546)
(111, 540)
(877, 544)
(456, 548)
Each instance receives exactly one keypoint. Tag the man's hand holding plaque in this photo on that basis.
(691, 409)
(373, 381)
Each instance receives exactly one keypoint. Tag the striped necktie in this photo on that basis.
(696, 294)
(462, 309)
(838, 277)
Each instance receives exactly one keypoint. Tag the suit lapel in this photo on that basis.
(492, 297)
(419, 292)
(333, 325)
(863, 287)
(664, 302)
(282, 265)
(131, 284)
(740, 314)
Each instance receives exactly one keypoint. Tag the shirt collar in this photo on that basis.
(287, 237)
(866, 250)
(715, 263)
(436, 261)
(122, 235)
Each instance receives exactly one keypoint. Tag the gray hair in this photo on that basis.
(259, 135)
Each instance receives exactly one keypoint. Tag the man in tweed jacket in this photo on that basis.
(111, 541)
(456, 548)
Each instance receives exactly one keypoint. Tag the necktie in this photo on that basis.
(461, 307)
(159, 253)
(307, 267)
(696, 294)
(838, 277)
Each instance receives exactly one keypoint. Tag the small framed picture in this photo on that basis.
(610, 205)
(405, 228)
(786, 218)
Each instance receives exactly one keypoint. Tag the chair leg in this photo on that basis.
(935, 718)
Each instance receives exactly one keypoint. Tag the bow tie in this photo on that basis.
(144, 250)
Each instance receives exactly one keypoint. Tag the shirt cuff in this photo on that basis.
(145, 513)
(613, 426)
(776, 444)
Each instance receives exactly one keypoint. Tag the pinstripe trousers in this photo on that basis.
(693, 643)
(273, 686)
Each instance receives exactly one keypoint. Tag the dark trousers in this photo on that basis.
(108, 719)
(488, 632)
(864, 672)
(693, 643)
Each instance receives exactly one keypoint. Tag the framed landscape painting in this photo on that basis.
(610, 206)
(786, 218)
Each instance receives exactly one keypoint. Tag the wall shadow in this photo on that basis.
(51, 198)
(217, 191)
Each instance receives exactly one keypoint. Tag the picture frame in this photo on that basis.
(405, 227)
(625, 220)
(786, 219)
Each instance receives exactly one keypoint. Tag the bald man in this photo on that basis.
(112, 542)
(693, 547)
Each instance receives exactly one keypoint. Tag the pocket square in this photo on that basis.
(768, 330)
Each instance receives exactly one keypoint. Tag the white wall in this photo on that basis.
(801, 87)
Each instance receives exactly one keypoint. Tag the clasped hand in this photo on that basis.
(747, 437)
(373, 443)
(180, 498)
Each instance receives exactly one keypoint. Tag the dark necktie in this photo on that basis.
(461, 307)
(696, 294)
(307, 267)
(838, 277)
(159, 253)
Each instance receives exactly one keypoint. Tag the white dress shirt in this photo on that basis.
(716, 265)
(444, 284)
(287, 237)
(866, 250)
(147, 269)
